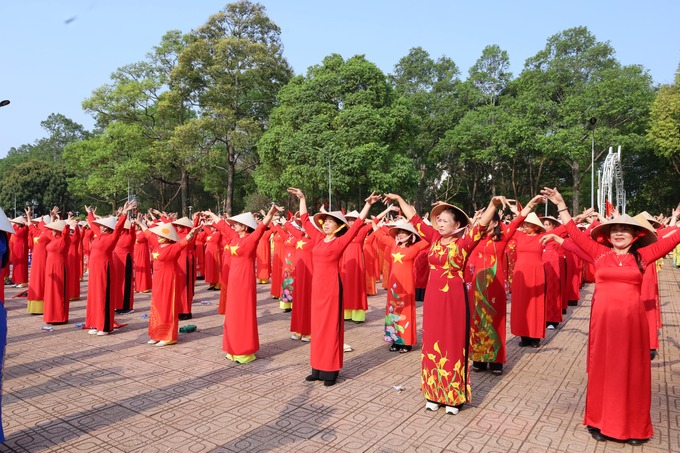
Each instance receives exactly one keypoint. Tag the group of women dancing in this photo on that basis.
(323, 267)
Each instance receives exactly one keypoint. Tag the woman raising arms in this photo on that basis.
(240, 338)
(326, 353)
(619, 390)
(446, 312)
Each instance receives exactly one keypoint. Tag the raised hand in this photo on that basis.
(500, 200)
(552, 195)
(297, 192)
(390, 197)
(584, 215)
(372, 198)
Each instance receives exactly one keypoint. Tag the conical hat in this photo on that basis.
(460, 214)
(401, 225)
(603, 230)
(245, 219)
(650, 218)
(57, 226)
(533, 219)
(184, 221)
(551, 219)
(352, 215)
(320, 217)
(165, 230)
(108, 222)
(21, 220)
(4, 223)
(642, 220)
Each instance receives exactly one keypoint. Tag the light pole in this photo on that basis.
(329, 183)
(592, 122)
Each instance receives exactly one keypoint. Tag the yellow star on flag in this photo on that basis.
(300, 244)
(155, 255)
(233, 249)
(397, 257)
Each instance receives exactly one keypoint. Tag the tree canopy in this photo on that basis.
(216, 118)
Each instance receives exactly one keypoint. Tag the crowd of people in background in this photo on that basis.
(322, 267)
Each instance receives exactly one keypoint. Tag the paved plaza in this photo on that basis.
(67, 391)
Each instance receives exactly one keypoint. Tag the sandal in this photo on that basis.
(395, 347)
(405, 349)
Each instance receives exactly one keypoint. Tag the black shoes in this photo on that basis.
(326, 383)
(597, 435)
(479, 366)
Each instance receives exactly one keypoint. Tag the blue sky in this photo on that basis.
(54, 53)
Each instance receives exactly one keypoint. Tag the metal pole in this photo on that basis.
(592, 172)
(592, 122)
(329, 183)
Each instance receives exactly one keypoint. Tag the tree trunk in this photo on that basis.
(420, 193)
(576, 187)
(184, 183)
(231, 164)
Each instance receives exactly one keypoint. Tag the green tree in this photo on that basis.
(341, 117)
(147, 140)
(35, 184)
(490, 74)
(231, 69)
(44, 157)
(429, 91)
(664, 130)
(572, 79)
(104, 164)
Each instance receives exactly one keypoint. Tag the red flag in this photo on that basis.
(519, 206)
(290, 215)
(342, 210)
(609, 208)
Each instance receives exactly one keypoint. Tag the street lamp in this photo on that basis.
(4, 103)
(592, 122)
(329, 182)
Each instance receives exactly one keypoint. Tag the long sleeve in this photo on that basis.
(383, 239)
(659, 249)
(152, 239)
(93, 226)
(509, 231)
(346, 238)
(310, 229)
(363, 232)
(226, 230)
(424, 230)
(590, 247)
(571, 246)
(298, 234)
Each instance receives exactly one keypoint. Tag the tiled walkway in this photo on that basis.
(66, 391)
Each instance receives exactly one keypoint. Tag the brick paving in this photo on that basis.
(67, 391)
